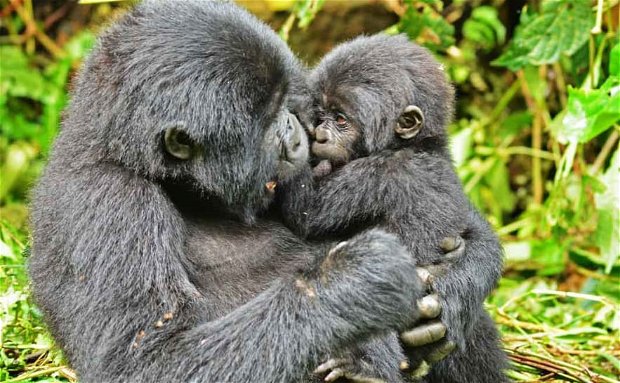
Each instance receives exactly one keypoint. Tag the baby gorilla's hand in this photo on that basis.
(322, 169)
(425, 344)
(375, 361)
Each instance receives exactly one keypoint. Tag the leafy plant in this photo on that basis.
(561, 27)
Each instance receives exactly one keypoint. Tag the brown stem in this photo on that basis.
(605, 150)
(57, 15)
(561, 84)
(537, 127)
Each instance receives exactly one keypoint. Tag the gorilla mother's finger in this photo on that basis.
(454, 247)
(440, 352)
(420, 372)
(424, 334)
(429, 306)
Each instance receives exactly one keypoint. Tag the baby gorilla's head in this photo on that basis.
(377, 93)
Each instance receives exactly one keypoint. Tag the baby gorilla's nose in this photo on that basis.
(321, 135)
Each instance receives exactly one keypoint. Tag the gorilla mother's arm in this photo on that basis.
(110, 271)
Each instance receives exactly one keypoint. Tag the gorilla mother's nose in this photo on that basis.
(294, 131)
(295, 142)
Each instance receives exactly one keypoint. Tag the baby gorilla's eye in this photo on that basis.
(341, 119)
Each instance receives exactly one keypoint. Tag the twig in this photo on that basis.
(537, 182)
(605, 150)
(44, 39)
(544, 366)
(524, 150)
(57, 15)
(561, 83)
(33, 374)
(504, 100)
(6, 11)
(599, 18)
(570, 294)
(558, 366)
(286, 27)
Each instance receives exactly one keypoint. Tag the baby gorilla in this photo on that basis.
(382, 105)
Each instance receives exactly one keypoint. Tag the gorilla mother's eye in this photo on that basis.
(178, 144)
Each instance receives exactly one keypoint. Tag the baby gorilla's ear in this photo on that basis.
(178, 144)
(409, 123)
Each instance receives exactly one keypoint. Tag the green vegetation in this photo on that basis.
(535, 141)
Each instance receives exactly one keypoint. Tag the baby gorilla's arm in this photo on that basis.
(356, 192)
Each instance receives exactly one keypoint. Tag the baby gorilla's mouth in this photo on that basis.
(335, 155)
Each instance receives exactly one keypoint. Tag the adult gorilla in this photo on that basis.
(180, 102)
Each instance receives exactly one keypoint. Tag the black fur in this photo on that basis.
(407, 187)
(140, 283)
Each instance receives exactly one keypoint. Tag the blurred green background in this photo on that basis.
(535, 141)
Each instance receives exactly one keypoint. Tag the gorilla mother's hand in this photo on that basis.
(425, 344)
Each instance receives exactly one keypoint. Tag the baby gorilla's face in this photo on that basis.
(335, 138)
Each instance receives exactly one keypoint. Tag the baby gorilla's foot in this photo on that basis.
(346, 367)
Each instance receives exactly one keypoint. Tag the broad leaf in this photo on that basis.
(562, 27)
(484, 27)
(608, 205)
(589, 113)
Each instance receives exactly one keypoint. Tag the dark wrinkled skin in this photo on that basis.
(370, 174)
(150, 260)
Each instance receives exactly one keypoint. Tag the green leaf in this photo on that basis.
(306, 10)
(461, 146)
(499, 181)
(562, 27)
(607, 235)
(484, 27)
(518, 251)
(411, 23)
(537, 88)
(589, 113)
(515, 123)
(426, 27)
(548, 255)
(80, 45)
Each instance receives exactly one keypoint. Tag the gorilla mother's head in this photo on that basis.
(174, 93)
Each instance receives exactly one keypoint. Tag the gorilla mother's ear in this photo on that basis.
(410, 122)
(178, 144)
